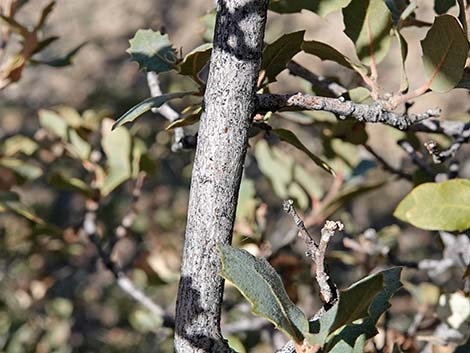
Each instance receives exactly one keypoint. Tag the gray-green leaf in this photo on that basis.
(146, 105)
(445, 50)
(117, 147)
(22, 169)
(64, 60)
(153, 51)
(404, 84)
(195, 60)
(353, 304)
(10, 201)
(368, 24)
(291, 138)
(62, 181)
(355, 334)
(320, 7)
(327, 52)
(277, 54)
(437, 206)
(257, 280)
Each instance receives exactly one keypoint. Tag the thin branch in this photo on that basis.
(458, 130)
(166, 111)
(303, 233)
(374, 113)
(386, 166)
(328, 290)
(447, 127)
(128, 220)
(440, 156)
(418, 160)
(90, 230)
(329, 293)
(318, 82)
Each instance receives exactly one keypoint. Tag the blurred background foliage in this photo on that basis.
(58, 154)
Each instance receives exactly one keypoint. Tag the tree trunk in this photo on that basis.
(229, 104)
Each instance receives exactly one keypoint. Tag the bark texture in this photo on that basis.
(229, 104)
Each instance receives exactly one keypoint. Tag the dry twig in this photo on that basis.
(89, 229)
(386, 166)
(328, 290)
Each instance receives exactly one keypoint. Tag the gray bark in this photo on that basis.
(229, 105)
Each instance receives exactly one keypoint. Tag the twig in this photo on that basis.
(329, 293)
(447, 127)
(418, 160)
(374, 113)
(325, 85)
(440, 156)
(328, 290)
(90, 230)
(128, 220)
(303, 233)
(458, 130)
(386, 166)
(166, 111)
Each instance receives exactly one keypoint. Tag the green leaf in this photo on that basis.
(404, 84)
(360, 95)
(320, 7)
(445, 50)
(291, 138)
(353, 305)
(64, 60)
(146, 105)
(117, 147)
(145, 321)
(355, 334)
(61, 181)
(81, 147)
(343, 347)
(53, 122)
(189, 118)
(43, 44)
(368, 24)
(348, 194)
(10, 201)
(442, 6)
(194, 61)
(19, 144)
(208, 22)
(327, 52)
(437, 206)
(153, 51)
(139, 150)
(259, 283)
(277, 54)
(287, 177)
(22, 169)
